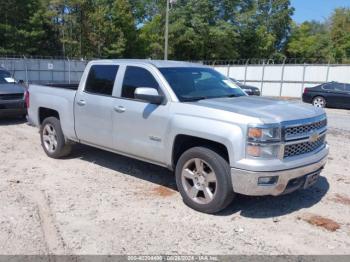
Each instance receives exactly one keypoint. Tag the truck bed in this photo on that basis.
(71, 86)
(59, 98)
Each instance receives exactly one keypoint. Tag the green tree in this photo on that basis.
(197, 31)
(113, 31)
(69, 18)
(151, 38)
(123, 19)
(219, 29)
(309, 40)
(340, 33)
(266, 26)
(328, 41)
(25, 28)
(100, 28)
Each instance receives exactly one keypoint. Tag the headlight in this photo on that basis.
(264, 134)
(263, 141)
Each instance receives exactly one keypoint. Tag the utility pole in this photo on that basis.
(166, 30)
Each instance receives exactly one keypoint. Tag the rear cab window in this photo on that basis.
(101, 79)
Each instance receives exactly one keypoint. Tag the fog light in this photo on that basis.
(270, 180)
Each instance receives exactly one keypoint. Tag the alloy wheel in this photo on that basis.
(199, 181)
(50, 138)
(319, 102)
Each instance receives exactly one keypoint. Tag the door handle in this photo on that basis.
(81, 103)
(119, 109)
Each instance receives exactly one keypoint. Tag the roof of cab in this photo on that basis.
(156, 63)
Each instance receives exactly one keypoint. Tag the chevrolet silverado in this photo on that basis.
(188, 118)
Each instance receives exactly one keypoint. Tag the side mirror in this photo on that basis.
(148, 94)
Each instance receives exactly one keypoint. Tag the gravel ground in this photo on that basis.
(95, 202)
(339, 119)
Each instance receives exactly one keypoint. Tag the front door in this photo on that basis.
(140, 127)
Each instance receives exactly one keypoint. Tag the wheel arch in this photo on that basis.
(183, 142)
(44, 112)
(314, 96)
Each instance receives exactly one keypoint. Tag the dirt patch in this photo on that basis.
(320, 221)
(341, 199)
(163, 191)
(343, 180)
(337, 132)
(12, 181)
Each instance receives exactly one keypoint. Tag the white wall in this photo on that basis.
(288, 80)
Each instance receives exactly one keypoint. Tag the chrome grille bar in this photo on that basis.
(304, 137)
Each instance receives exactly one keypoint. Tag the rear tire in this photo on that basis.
(52, 138)
(319, 101)
(204, 181)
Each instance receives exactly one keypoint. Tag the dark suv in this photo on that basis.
(12, 96)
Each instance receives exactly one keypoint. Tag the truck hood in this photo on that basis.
(11, 89)
(268, 110)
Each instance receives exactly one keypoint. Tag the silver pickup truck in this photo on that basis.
(191, 119)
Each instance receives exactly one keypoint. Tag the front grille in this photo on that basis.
(11, 96)
(304, 147)
(304, 130)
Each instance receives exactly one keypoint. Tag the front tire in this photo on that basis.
(319, 101)
(52, 138)
(203, 180)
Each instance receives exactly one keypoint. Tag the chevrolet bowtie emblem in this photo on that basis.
(314, 137)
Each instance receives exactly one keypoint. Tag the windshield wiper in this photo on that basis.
(191, 99)
(231, 95)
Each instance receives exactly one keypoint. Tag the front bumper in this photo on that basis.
(12, 108)
(247, 182)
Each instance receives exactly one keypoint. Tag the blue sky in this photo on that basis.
(317, 10)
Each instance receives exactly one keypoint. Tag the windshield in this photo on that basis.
(191, 83)
(5, 77)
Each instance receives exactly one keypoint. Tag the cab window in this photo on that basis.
(101, 79)
(137, 77)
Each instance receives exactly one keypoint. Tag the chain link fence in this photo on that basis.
(274, 77)
(280, 61)
(44, 69)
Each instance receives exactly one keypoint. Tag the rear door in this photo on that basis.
(340, 94)
(94, 106)
(347, 96)
(334, 93)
